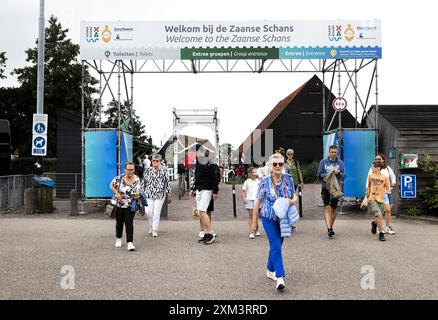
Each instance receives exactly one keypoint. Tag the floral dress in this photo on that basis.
(127, 191)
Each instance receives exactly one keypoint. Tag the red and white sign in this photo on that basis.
(339, 104)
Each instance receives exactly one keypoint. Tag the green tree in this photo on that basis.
(430, 195)
(2, 64)
(112, 119)
(62, 82)
(16, 105)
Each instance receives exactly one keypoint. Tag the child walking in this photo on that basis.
(249, 195)
(377, 185)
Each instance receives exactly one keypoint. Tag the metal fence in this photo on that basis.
(12, 188)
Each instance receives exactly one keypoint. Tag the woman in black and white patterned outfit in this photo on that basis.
(156, 185)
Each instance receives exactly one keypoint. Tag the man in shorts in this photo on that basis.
(206, 186)
(326, 166)
(377, 185)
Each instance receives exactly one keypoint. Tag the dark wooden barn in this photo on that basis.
(297, 123)
(411, 129)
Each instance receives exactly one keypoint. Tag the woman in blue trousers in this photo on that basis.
(272, 187)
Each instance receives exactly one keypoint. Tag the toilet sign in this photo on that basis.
(339, 104)
(39, 135)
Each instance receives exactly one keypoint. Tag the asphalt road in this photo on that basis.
(175, 266)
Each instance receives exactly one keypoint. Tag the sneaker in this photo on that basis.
(251, 236)
(214, 234)
(373, 227)
(201, 234)
(131, 246)
(202, 239)
(154, 234)
(330, 233)
(271, 275)
(280, 283)
(150, 231)
(209, 238)
(118, 243)
(381, 236)
(258, 234)
(389, 230)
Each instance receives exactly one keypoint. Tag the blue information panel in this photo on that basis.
(408, 186)
(125, 150)
(359, 151)
(100, 162)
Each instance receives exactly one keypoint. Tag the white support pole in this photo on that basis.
(40, 74)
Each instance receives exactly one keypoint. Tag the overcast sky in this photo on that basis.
(407, 72)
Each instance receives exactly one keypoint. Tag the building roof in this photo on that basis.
(278, 109)
(186, 142)
(267, 121)
(410, 116)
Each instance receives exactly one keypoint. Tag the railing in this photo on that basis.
(12, 188)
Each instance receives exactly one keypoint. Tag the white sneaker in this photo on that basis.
(251, 236)
(271, 275)
(201, 234)
(258, 234)
(154, 234)
(389, 230)
(150, 230)
(131, 246)
(280, 283)
(118, 243)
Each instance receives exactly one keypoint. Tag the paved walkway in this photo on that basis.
(175, 266)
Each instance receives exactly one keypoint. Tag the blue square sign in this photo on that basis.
(408, 186)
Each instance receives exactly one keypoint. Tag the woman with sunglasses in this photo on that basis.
(274, 186)
(125, 187)
(156, 187)
(388, 201)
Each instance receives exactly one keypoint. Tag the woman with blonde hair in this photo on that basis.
(277, 185)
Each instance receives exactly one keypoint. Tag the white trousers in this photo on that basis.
(153, 212)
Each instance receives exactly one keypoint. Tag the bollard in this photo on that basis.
(74, 211)
(300, 201)
(29, 201)
(234, 201)
(164, 208)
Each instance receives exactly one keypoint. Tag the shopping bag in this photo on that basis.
(364, 203)
(195, 211)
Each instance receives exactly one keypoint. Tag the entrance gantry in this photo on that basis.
(346, 50)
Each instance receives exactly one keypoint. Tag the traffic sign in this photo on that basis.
(408, 188)
(39, 125)
(39, 134)
(39, 145)
(339, 104)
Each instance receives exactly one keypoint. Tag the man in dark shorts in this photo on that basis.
(326, 166)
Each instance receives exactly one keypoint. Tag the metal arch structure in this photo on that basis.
(347, 71)
(183, 118)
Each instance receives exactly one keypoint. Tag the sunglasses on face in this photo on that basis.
(290, 154)
(127, 169)
(277, 164)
